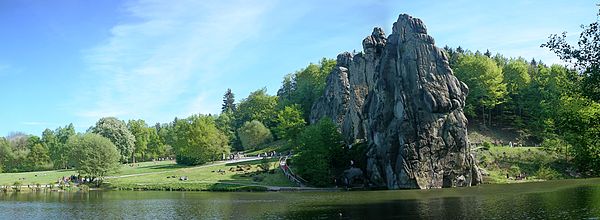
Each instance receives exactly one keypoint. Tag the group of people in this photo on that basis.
(234, 156)
(268, 154)
(75, 179)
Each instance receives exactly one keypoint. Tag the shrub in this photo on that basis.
(258, 178)
(547, 173)
(254, 134)
(514, 170)
(487, 145)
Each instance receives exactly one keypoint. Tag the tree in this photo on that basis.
(228, 102)
(5, 154)
(289, 122)
(578, 122)
(139, 130)
(116, 131)
(94, 155)
(225, 122)
(318, 152)
(585, 57)
(59, 150)
(156, 146)
(516, 78)
(197, 140)
(541, 100)
(258, 106)
(38, 157)
(484, 79)
(305, 86)
(253, 134)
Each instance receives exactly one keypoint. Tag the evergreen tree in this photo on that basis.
(228, 102)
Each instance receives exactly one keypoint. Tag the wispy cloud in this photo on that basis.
(164, 55)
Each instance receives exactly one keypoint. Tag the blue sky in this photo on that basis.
(69, 61)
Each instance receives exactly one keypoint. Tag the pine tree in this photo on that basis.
(228, 102)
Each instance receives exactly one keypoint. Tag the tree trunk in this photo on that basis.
(133, 158)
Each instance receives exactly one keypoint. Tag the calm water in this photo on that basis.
(569, 199)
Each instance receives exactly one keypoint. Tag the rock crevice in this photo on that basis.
(401, 97)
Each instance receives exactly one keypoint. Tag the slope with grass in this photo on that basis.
(247, 175)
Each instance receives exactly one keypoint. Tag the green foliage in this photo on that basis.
(265, 164)
(547, 173)
(253, 134)
(258, 106)
(305, 86)
(289, 122)
(516, 76)
(554, 144)
(94, 155)
(56, 142)
(38, 158)
(226, 123)
(578, 121)
(156, 147)
(514, 170)
(139, 130)
(484, 79)
(116, 131)
(586, 56)
(228, 102)
(487, 145)
(197, 140)
(318, 153)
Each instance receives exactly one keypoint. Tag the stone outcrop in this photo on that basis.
(400, 97)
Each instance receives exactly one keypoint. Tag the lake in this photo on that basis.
(564, 199)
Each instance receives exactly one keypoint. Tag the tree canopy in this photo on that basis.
(484, 78)
(93, 155)
(253, 134)
(116, 131)
(197, 140)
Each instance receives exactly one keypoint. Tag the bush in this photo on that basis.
(17, 185)
(319, 153)
(84, 187)
(514, 170)
(487, 145)
(265, 164)
(254, 134)
(258, 178)
(547, 173)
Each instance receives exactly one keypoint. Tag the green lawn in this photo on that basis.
(155, 173)
(205, 178)
(46, 177)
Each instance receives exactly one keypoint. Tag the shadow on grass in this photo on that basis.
(165, 166)
(253, 162)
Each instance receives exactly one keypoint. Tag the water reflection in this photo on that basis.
(551, 200)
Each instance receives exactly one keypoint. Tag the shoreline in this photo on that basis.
(262, 188)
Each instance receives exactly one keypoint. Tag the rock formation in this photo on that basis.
(401, 97)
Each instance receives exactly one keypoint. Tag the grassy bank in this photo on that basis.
(243, 176)
(165, 175)
(47, 177)
(532, 163)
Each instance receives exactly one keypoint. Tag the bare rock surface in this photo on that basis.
(400, 97)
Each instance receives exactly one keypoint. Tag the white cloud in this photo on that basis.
(164, 56)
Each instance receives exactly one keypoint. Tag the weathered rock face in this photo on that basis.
(401, 96)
